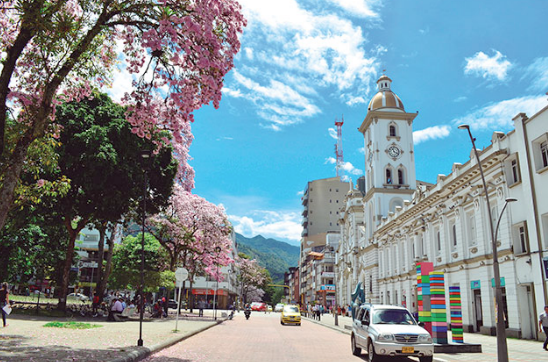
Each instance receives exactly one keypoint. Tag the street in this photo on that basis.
(262, 338)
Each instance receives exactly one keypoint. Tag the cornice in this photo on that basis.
(372, 115)
(462, 181)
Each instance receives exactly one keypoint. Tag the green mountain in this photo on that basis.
(276, 256)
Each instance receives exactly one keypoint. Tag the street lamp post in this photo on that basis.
(502, 347)
(145, 154)
(218, 250)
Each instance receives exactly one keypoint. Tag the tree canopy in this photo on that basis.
(57, 51)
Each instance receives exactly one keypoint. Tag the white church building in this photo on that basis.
(401, 221)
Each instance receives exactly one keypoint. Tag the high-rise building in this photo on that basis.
(321, 201)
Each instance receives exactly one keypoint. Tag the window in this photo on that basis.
(544, 153)
(472, 229)
(454, 235)
(515, 171)
(521, 239)
(392, 131)
(540, 152)
(389, 176)
(511, 167)
(438, 241)
(400, 177)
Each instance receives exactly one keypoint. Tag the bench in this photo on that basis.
(126, 313)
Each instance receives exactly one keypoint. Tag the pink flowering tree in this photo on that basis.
(252, 277)
(60, 50)
(194, 232)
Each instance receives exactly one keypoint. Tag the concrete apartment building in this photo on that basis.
(321, 202)
(404, 222)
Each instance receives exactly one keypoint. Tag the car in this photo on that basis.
(279, 307)
(389, 331)
(258, 306)
(291, 314)
(78, 296)
(269, 308)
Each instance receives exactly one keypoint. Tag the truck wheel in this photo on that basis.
(356, 351)
(371, 355)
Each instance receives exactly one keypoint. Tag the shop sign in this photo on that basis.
(475, 284)
(502, 282)
(328, 274)
(209, 292)
(328, 287)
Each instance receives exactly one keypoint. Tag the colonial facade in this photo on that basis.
(407, 221)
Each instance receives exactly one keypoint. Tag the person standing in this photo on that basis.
(201, 306)
(4, 300)
(543, 324)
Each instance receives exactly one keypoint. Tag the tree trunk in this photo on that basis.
(11, 171)
(108, 266)
(73, 234)
(191, 296)
(38, 116)
(101, 251)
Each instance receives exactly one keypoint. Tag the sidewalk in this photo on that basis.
(25, 339)
(519, 350)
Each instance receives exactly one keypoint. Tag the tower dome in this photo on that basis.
(385, 98)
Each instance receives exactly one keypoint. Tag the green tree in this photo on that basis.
(102, 158)
(126, 263)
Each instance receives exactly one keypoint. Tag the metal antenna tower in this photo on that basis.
(338, 146)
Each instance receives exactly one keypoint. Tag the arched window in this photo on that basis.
(401, 179)
(454, 229)
(388, 176)
(392, 130)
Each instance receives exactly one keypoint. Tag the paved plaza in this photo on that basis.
(25, 339)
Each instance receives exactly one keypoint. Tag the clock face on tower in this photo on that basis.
(393, 151)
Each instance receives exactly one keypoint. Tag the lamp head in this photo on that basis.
(464, 126)
(511, 199)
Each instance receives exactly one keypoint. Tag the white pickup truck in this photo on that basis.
(389, 331)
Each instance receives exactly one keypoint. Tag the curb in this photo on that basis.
(144, 352)
(335, 328)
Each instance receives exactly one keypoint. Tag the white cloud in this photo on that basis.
(498, 116)
(361, 8)
(430, 133)
(495, 67)
(346, 167)
(460, 99)
(538, 71)
(236, 93)
(279, 103)
(332, 133)
(294, 55)
(284, 225)
(121, 83)
(248, 53)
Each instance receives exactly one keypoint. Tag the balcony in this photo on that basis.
(305, 232)
(304, 222)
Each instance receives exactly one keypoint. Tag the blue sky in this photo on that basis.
(304, 63)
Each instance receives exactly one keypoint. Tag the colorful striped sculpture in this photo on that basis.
(456, 314)
(423, 294)
(439, 308)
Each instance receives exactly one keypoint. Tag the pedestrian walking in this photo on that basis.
(4, 301)
(543, 325)
(201, 306)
